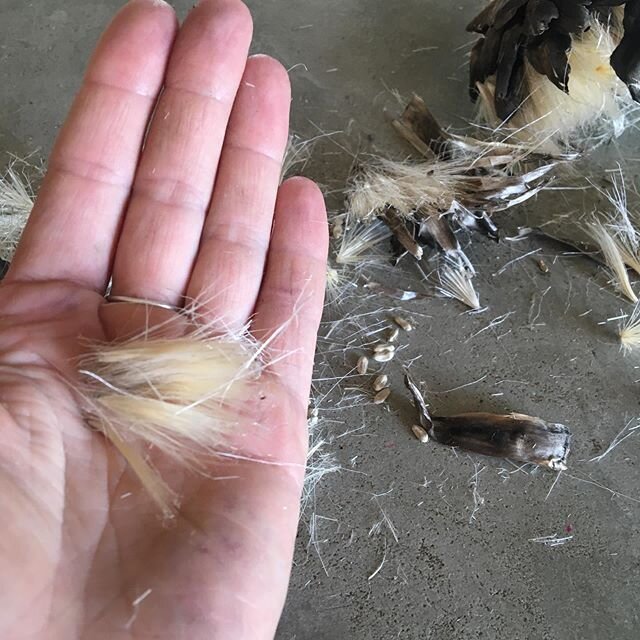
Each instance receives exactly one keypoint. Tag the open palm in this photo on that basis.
(165, 178)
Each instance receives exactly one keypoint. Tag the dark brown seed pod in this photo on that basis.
(515, 436)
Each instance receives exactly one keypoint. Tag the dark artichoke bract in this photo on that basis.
(525, 42)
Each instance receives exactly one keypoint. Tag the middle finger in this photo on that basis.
(177, 169)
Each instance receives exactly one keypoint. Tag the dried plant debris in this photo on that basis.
(515, 436)
(321, 461)
(608, 236)
(356, 247)
(603, 245)
(629, 430)
(552, 541)
(393, 334)
(360, 244)
(459, 185)
(556, 69)
(382, 396)
(543, 266)
(420, 433)
(384, 352)
(17, 198)
(363, 365)
(629, 332)
(455, 282)
(613, 257)
(403, 233)
(621, 222)
(397, 294)
(296, 156)
(626, 58)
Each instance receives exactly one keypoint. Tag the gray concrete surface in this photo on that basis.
(448, 576)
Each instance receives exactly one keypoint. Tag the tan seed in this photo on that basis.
(338, 228)
(381, 382)
(381, 396)
(543, 266)
(385, 356)
(420, 433)
(363, 365)
(393, 335)
(383, 347)
(403, 323)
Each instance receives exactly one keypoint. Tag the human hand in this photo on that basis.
(83, 551)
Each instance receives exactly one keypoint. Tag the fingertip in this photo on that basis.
(261, 66)
(232, 12)
(155, 3)
(211, 50)
(156, 10)
(304, 195)
(159, 4)
(260, 117)
(135, 47)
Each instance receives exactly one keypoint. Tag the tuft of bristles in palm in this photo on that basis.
(455, 282)
(629, 331)
(16, 202)
(180, 397)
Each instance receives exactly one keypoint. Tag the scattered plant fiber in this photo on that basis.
(16, 202)
(629, 332)
(613, 258)
(455, 282)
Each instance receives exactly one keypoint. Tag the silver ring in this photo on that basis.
(148, 303)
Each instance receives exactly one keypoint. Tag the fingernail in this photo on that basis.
(154, 3)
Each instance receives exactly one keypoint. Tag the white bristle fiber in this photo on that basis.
(455, 282)
(406, 187)
(629, 332)
(16, 203)
(613, 258)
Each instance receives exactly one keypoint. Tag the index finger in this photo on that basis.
(72, 231)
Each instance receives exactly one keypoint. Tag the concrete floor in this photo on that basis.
(448, 575)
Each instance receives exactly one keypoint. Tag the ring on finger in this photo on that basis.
(149, 303)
